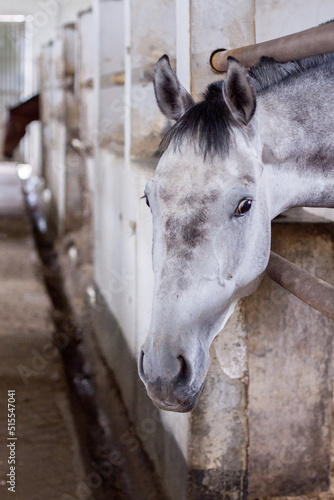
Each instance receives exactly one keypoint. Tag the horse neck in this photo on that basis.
(297, 137)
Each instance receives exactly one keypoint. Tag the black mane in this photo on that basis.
(267, 72)
(208, 123)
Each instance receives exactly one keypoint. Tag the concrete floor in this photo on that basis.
(48, 465)
(47, 460)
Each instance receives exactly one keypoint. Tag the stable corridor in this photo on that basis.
(47, 461)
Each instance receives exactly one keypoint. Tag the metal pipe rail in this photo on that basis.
(310, 289)
(307, 43)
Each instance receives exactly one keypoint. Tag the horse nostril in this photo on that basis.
(141, 366)
(185, 372)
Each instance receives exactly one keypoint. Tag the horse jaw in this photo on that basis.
(174, 372)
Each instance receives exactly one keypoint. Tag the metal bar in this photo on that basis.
(311, 42)
(308, 288)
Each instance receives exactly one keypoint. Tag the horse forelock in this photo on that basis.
(207, 125)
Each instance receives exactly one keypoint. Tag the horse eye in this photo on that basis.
(146, 199)
(243, 207)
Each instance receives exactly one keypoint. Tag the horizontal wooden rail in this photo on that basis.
(310, 289)
(311, 42)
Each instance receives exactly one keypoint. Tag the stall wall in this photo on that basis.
(227, 447)
(215, 439)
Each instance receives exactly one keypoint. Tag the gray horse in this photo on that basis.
(259, 142)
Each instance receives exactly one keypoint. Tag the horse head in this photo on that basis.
(211, 229)
(19, 117)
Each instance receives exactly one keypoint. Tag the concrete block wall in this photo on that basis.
(217, 437)
(150, 32)
(123, 252)
(53, 119)
(111, 76)
(74, 182)
(290, 359)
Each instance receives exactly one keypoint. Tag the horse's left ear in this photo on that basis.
(238, 93)
(172, 98)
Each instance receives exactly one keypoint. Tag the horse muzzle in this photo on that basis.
(8, 155)
(170, 381)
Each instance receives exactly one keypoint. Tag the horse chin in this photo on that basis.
(180, 407)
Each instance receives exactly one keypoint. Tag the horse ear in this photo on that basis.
(238, 93)
(173, 99)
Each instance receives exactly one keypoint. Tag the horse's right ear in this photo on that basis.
(173, 99)
(238, 92)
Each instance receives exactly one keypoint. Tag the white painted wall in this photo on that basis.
(275, 19)
(279, 18)
(124, 235)
(45, 17)
(126, 39)
(188, 30)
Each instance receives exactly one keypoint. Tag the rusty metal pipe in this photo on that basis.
(311, 42)
(310, 289)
